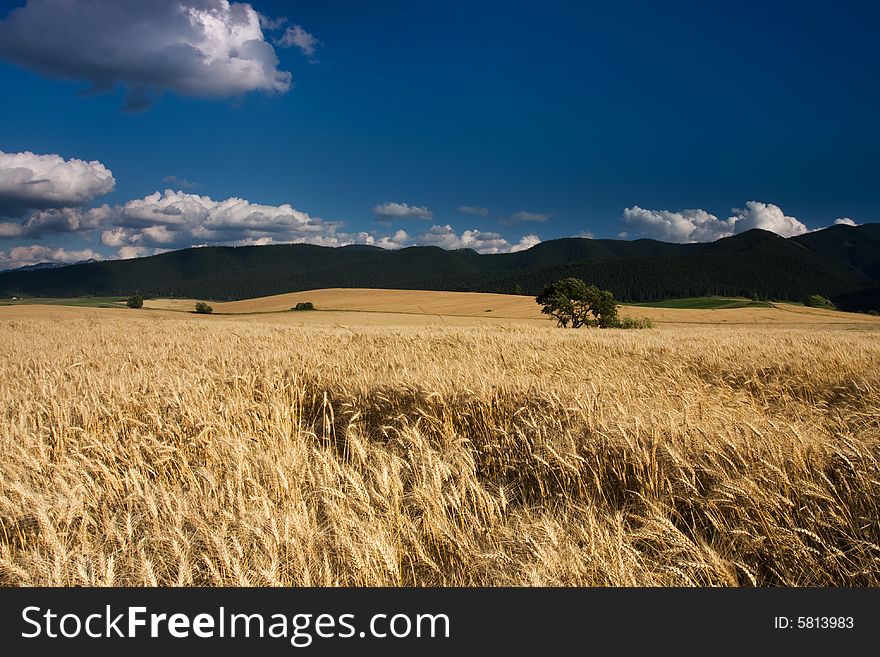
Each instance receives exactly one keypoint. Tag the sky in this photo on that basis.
(128, 128)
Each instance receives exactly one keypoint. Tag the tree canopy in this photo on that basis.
(572, 302)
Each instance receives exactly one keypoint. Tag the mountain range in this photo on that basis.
(841, 262)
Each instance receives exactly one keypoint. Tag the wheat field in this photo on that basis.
(142, 448)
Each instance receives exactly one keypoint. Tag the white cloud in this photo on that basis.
(114, 237)
(480, 241)
(391, 210)
(701, 226)
(297, 36)
(525, 242)
(32, 182)
(681, 226)
(22, 256)
(845, 221)
(766, 216)
(210, 48)
(587, 234)
(393, 242)
(522, 215)
(474, 209)
(129, 252)
(178, 219)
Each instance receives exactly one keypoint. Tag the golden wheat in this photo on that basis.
(141, 450)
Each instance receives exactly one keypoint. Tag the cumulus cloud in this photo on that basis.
(22, 256)
(175, 219)
(32, 182)
(474, 209)
(480, 241)
(297, 36)
(701, 226)
(61, 220)
(129, 252)
(681, 226)
(845, 221)
(206, 48)
(390, 211)
(766, 216)
(393, 242)
(539, 217)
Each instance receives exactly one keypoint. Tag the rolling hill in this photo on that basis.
(841, 262)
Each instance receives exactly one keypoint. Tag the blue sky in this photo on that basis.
(683, 121)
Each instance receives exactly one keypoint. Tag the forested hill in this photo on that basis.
(841, 262)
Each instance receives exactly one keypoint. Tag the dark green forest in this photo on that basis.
(840, 262)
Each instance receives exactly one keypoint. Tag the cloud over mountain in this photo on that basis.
(22, 256)
(175, 219)
(480, 241)
(34, 182)
(680, 226)
(766, 216)
(208, 48)
(700, 226)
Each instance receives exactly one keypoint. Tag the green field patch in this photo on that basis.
(705, 303)
(82, 302)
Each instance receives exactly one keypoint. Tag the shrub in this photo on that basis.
(635, 323)
(203, 309)
(135, 301)
(874, 313)
(818, 301)
(304, 305)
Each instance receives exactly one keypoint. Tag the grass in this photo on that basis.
(705, 303)
(167, 449)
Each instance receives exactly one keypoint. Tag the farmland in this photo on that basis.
(350, 446)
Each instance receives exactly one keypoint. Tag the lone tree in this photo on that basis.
(571, 301)
(135, 301)
(203, 309)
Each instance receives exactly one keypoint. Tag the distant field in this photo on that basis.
(391, 305)
(83, 302)
(705, 303)
(418, 302)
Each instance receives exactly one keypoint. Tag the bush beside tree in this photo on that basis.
(818, 301)
(635, 323)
